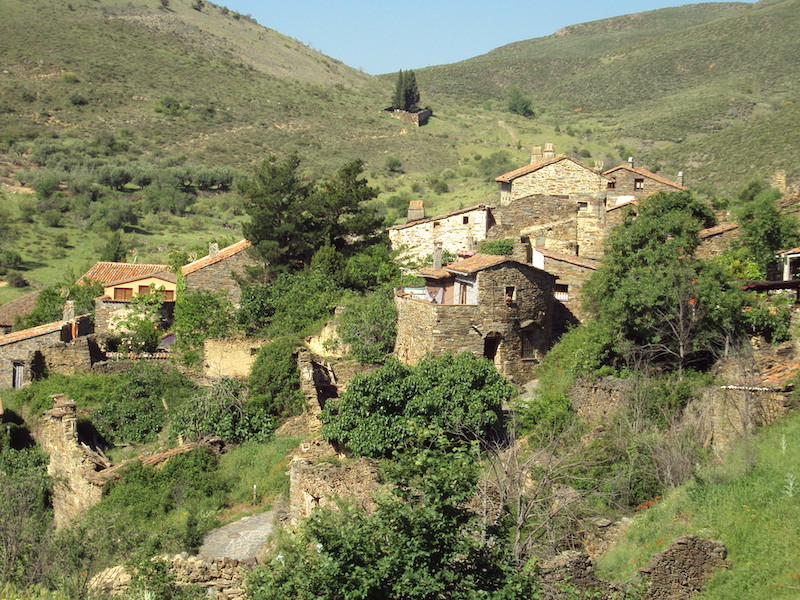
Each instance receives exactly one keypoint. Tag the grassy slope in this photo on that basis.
(657, 80)
(754, 511)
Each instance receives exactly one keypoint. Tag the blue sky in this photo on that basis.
(381, 37)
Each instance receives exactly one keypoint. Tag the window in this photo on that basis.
(144, 289)
(18, 375)
(510, 294)
(638, 184)
(561, 291)
(611, 185)
(583, 205)
(168, 295)
(436, 223)
(122, 293)
(465, 220)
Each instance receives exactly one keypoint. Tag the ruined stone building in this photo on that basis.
(492, 306)
(217, 271)
(50, 348)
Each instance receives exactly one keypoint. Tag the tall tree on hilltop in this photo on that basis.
(406, 92)
(398, 100)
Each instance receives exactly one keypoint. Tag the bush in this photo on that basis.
(501, 247)
(395, 407)
(200, 315)
(274, 380)
(15, 279)
(369, 326)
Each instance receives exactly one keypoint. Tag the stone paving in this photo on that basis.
(241, 539)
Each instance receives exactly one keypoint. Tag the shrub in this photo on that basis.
(369, 326)
(274, 380)
(502, 247)
(16, 280)
(200, 315)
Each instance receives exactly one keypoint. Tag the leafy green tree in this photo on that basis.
(141, 327)
(518, 103)
(653, 293)
(274, 380)
(115, 249)
(386, 411)
(421, 543)
(199, 315)
(50, 302)
(765, 230)
(369, 326)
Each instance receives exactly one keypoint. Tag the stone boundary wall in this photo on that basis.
(418, 118)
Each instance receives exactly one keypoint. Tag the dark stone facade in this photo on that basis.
(494, 327)
(548, 221)
(220, 276)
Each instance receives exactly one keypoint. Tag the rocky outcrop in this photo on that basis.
(683, 569)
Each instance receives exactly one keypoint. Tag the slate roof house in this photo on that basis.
(628, 182)
(492, 306)
(217, 271)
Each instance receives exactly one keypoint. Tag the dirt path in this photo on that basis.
(240, 539)
(510, 131)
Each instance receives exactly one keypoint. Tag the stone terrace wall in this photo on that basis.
(596, 399)
(684, 568)
(562, 177)
(312, 485)
(219, 277)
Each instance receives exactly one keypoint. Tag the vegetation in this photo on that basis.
(406, 93)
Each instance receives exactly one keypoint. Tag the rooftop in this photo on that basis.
(105, 271)
(580, 261)
(438, 217)
(512, 175)
(163, 275)
(717, 230)
(18, 307)
(32, 332)
(208, 260)
(645, 173)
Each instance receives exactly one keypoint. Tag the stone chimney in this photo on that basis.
(536, 155)
(549, 151)
(69, 311)
(213, 249)
(521, 250)
(631, 163)
(470, 244)
(680, 178)
(416, 210)
(437, 255)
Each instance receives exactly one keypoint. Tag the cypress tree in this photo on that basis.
(399, 92)
(411, 92)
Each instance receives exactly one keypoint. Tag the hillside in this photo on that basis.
(695, 87)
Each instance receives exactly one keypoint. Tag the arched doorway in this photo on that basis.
(491, 344)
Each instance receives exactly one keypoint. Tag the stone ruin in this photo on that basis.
(677, 573)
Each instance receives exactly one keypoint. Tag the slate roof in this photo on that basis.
(18, 307)
(469, 266)
(717, 230)
(105, 271)
(24, 334)
(633, 202)
(439, 217)
(208, 260)
(516, 173)
(588, 263)
(645, 173)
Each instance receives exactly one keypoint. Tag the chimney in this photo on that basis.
(437, 255)
(680, 178)
(416, 210)
(536, 155)
(630, 162)
(549, 151)
(69, 311)
(213, 249)
(521, 251)
(470, 244)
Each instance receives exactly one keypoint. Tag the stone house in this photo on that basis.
(22, 353)
(552, 174)
(628, 182)
(218, 270)
(571, 273)
(457, 231)
(492, 306)
(790, 263)
(106, 272)
(714, 240)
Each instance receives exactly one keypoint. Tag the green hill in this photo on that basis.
(696, 87)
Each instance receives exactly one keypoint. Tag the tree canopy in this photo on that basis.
(653, 292)
(406, 92)
(292, 216)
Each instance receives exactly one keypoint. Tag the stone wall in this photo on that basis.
(418, 118)
(424, 327)
(27, 351)
(591, 232)
(549, 221)
(321, 484)
(712, 245)
(596, 399)
(73, 357)
(219, 578)
(109, 314)
(624, 185)
(420, 237)
(230, 357)
(564, 177)
(71, 461)
(219, 277)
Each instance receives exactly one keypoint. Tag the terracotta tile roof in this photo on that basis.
(208, 260)
(645, 173)
(105, 271)
(580, 261)
(717, 230)
(24, 334)
(18, 307)
(439, 217)
(163, 275)
(432, 273)
(512, 175)
(779, 376)
(789, 251)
